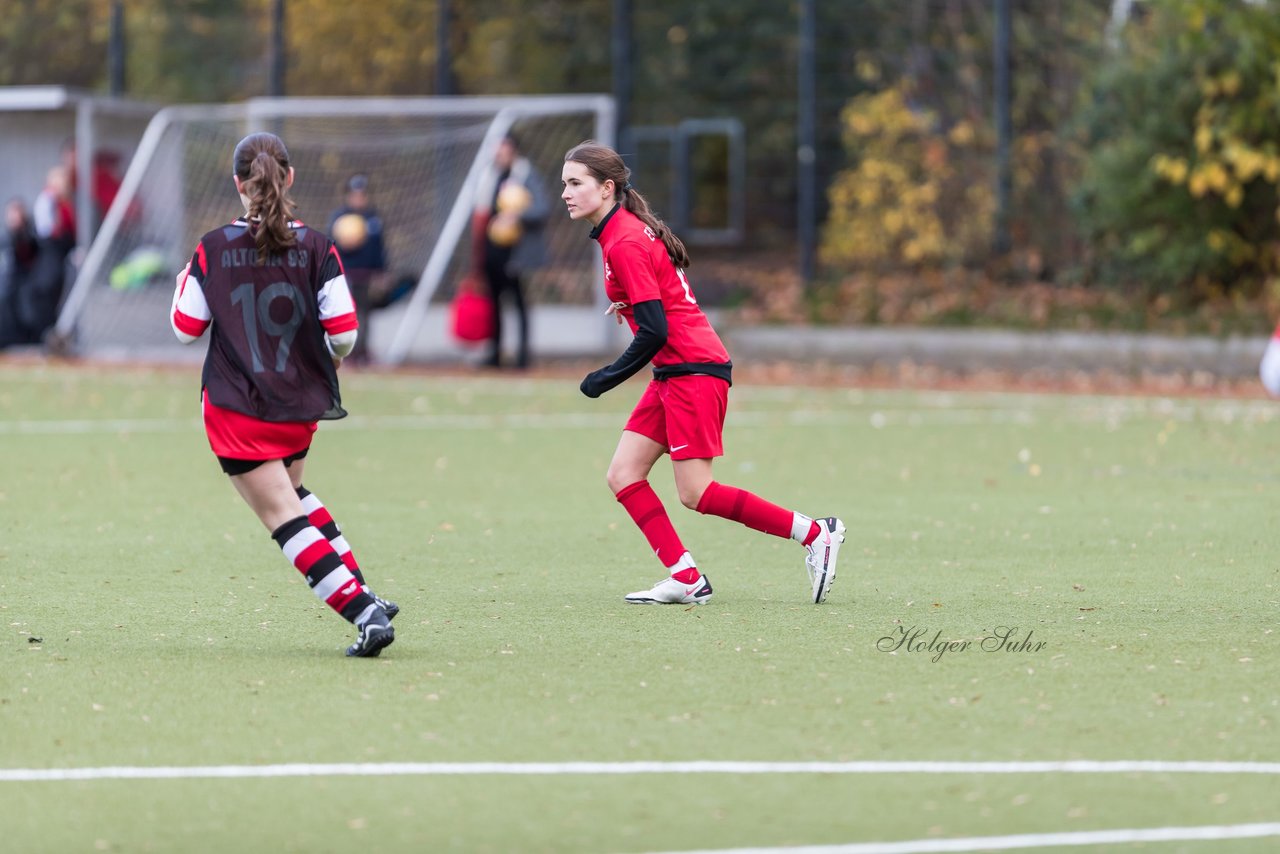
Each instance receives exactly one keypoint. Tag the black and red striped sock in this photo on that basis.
(335, 585)
(318, 515)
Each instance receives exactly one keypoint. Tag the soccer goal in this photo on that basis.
(422, 156)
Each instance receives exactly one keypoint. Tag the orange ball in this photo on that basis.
(350, 231)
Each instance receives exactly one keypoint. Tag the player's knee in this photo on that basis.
(620, 477)
(691, 496)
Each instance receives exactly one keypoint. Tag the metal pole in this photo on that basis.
(86, 216)
(622, 65)
(444, 52)
(115, 50)
(1004, 128)
(275, 83)
(806, 148)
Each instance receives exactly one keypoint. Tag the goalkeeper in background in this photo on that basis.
(356, 229)
(273, 297)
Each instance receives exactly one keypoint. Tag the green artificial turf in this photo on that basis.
(1130, 542)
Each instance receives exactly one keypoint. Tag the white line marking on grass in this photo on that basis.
(82, 426)
(1112, 413)
(443, 769)
(1024, 840)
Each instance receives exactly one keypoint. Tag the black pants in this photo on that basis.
(359, 282)
(502, 282)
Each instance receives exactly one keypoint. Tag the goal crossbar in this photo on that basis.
(258, 113)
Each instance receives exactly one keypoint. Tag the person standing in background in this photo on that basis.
(510, 212)
(15, 275)
(54, 217)
(356, 229)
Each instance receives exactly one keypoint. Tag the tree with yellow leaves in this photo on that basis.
(1182, 151)
(905, 203)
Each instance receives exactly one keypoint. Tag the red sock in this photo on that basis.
(646, 510)
(729, 502)
(814, 531)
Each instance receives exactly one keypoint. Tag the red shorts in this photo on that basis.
(684, 414)
(243, 437)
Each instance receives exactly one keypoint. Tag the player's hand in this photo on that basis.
(337, 362)
(616, 310)
(591, 385)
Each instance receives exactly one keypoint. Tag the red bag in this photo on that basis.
(472, 312)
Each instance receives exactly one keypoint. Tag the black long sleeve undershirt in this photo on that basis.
(651, 335)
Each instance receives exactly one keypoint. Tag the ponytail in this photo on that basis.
(262, 165)
(605, 164)
(636, 204)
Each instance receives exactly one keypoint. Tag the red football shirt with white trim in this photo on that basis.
(638, 269)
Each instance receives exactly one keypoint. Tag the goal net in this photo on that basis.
(423, 158)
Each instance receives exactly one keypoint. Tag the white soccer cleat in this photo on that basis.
(668, 591)
(820, 556)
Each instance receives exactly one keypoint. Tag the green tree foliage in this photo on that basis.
(53, 41)
(384, 48)
(1182, 164)
(195, 50)
(532, 46)
(919, 189)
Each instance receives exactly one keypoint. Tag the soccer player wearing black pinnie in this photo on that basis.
(282, 318)
(682, 410)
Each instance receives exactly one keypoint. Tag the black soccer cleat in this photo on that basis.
(387, 605)
(375, 635)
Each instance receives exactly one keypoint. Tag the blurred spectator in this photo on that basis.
(510, 209)
(22, 250)
(104, 181)
(54, 209)
(54, 222)
(356, 229)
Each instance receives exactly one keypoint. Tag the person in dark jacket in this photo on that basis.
(356, 229)
(510, 210)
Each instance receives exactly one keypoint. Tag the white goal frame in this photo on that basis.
(257, 114)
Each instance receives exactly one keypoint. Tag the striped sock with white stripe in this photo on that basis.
(319, 516)
(335, 585)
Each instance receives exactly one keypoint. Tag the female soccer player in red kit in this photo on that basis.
(682, 411)
(282, 318)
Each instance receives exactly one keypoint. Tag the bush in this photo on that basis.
(1181, 165)
(910, 201)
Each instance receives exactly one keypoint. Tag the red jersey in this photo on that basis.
(637, 269)
(267, 355)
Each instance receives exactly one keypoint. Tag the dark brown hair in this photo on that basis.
(605, 164)
(262, 165)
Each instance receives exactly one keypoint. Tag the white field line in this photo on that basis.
(528, 421)
(445, 769)
(873, 417)
(1024, 841)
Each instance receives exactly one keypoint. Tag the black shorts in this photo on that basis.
(233, 466)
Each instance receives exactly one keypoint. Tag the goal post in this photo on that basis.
(423, 158)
